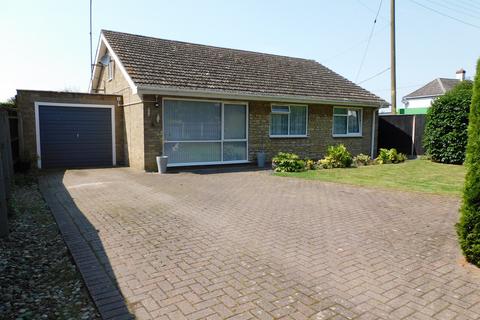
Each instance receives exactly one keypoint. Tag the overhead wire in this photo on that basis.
(455, 8)
(374, 76)
(446, 15)
(369, 41)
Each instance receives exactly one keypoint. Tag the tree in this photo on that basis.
(468, 227)
(10, 102)
(445, 137)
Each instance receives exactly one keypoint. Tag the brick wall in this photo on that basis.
(133, 129)
(26, 105)
(320, 121)
(152, 130)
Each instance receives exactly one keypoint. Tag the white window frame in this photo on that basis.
(348, 134)
(283, 112)
(223, 103)
(39, 104)
(110, 70)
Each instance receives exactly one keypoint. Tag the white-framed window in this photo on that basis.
(288, 121)
(110, 69)
(200, 132)
(347, 122)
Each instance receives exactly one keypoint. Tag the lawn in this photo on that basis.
(412, 175)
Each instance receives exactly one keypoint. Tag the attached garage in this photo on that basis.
(75, 135)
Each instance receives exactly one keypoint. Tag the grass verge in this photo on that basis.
(412, 175)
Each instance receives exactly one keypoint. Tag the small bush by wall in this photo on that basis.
(288, 162)
(386, 156)
(362, 160)
(337, 157)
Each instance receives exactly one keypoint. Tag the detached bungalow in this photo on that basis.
(198, 105)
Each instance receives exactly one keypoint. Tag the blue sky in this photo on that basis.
(45, 44)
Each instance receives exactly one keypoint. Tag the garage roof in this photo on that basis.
(159, 63)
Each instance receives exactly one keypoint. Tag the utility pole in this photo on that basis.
(393, 66)
(91, 45)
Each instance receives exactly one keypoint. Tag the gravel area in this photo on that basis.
(38, 277)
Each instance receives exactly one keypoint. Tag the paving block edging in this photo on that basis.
(104, 292)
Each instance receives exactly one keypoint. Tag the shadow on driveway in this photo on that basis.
(86, 248)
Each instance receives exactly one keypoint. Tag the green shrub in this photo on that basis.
(386, 156)
(445, 136)
(287, 162)
(468, 227)
(362, 160)
(337, 157)
(310, 164)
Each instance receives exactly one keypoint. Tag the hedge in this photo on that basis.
(445, 137)
(468, 227)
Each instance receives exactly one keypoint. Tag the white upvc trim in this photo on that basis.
(39, 104)
(347, 135)
(95, 65)
(223, 103)
(189, 164)
(178, 92)
(287, 135)
(117, 62)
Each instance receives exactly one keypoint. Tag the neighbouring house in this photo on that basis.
(420, 100)
(198, 105)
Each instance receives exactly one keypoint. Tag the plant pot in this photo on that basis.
(162, 162)
(261, 159)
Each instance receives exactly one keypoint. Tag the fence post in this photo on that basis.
(3, 203)
(6, 171)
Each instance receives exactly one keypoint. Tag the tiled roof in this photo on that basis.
(153, 62)
(434, 88)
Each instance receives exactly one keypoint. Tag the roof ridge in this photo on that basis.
(211, 46)
(441, 85)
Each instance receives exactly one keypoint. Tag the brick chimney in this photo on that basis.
(460, 74)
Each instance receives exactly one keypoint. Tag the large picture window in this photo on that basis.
(288, 121)
(204, 132)
(347, 122)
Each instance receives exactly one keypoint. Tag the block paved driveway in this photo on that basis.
(249, 245)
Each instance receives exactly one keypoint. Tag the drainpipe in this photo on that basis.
(372, 151)
(413, 133)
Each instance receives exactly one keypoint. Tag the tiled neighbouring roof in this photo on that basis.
(434, 88)
(153, 62)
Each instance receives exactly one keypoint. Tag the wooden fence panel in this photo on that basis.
(402, 132)
(6, 170)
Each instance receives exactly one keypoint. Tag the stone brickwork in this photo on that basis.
(133, 116)
(320, 122)
(152, 130)
(26, 105)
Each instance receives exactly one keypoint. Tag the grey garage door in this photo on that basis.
(75, 136)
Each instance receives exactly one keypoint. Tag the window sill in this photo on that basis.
(288, 136)
(347, 135)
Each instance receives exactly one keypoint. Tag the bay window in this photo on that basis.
(347, 122)
(288, 121)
